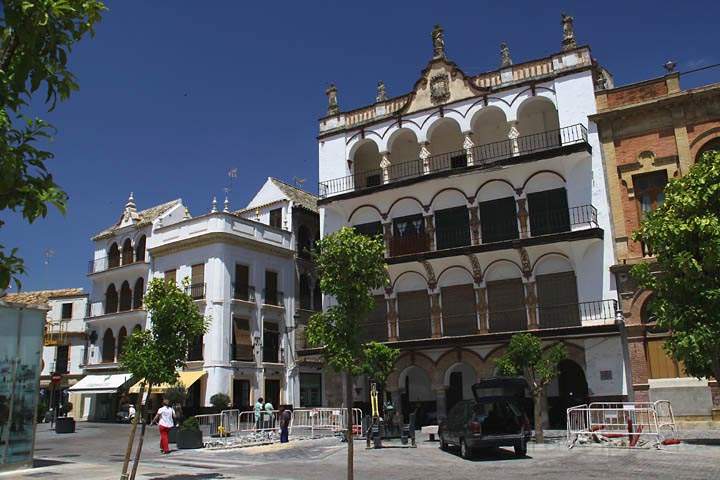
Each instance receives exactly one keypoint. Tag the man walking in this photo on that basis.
(258, 412)
(165, 418)
(269, 420)
(285, 416)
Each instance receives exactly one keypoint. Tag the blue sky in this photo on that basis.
(173, 95)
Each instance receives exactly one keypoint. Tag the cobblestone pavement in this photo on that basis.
(96, 452)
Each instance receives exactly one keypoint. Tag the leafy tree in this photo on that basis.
(684, 235)
(156, 354)
(525, 357)
(36, 37)
(350, 265)
(379, 361)
(220, 401)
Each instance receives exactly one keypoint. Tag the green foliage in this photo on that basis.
(350, 266)
(36, 37)
(220, 401)
(525, 357)
(379, 361)
(176, 394)
(191, 424)
(684, 235)
(156, 354)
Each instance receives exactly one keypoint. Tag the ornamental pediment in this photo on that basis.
(442, 82)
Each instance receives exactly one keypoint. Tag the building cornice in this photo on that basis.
(218, 237)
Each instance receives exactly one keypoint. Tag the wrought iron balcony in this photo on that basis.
(411, 243)
(106, 263)
(244, 292)
(196, 291)
(598, 312)
(273, 297)
(483, 156)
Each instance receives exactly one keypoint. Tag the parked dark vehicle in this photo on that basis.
(496, 418)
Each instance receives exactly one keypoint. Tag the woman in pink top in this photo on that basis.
(165, 418)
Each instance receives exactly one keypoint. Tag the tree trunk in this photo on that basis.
(131, 437)
(8, 52)
(348, 405)
(539, 435)
(138, 451)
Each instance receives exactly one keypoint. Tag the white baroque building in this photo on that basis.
(489, 193)
(249, 272)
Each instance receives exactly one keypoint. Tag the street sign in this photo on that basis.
(56, 378)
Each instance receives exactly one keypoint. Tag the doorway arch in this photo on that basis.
(572, 389)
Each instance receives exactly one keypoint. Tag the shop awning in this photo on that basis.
(100, 383)
(186, 378)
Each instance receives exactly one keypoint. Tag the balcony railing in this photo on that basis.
(483, 156)
(557, 221)
(243, 292)
(273, 297)
(596, 312)
(242, 352)
(407, 244)
(196, 291)
(106, 263)
(452, 237)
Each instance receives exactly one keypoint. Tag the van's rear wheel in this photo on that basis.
(464, 450)
(521, 448)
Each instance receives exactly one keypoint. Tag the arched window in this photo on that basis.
(127, 252)
(122, 336)
(137, 328)
(108, 347)
(711, 146)
(125, 297)
(303, 242)
(140, 250)
(304, 292)
(113, 256)
(138, 293)
(111, 299)
(317, 297)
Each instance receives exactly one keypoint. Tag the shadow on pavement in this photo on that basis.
(197, 476)
(44, 462)
(493, 455)
(713, 442)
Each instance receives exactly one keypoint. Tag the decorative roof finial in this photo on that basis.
(331, 92)
(130, 205)
(381, 93)
(568, 42)
(438, 42)
(186, 216)
(505, 60)
(214, 205)
(670, 66)
(226, 203)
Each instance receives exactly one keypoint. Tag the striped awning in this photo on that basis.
(184, 378)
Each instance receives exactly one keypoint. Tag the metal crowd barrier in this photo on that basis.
(621, 424)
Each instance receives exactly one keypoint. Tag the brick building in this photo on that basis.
(650, 132)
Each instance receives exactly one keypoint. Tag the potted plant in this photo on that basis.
(189, 435)
(65, 424)
(220, 402)
(176, 396)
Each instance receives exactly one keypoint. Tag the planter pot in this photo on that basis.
(173, 434)
(65, 425)
(189, 439)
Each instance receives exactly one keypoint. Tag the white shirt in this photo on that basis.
(166, 417)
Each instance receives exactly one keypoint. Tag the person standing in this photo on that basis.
(269, 423)
(165, 418)
(285, 417)
(258, 412)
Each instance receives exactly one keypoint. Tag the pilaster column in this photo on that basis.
(481, 308)
(425, 157)
(468, 145)
(523, 216)
(435, 315)
(396, 398)
(441, 403)
(385, 166)
(531, 304)
(392, 319)
(387, 236)
(430, 230)
(474, 212)
(513, 135)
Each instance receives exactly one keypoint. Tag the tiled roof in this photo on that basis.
(41, 297)
(298, 196)
(145, 218)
